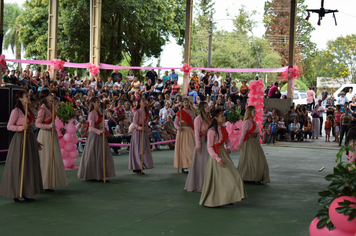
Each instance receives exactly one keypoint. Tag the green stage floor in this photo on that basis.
(156, 204)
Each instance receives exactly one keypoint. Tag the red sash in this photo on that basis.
(224, 138)
(49, 120)
(97, 122)
(203, 134)
(186, 118)
(30, 118)
(247, 137)
(146, 118)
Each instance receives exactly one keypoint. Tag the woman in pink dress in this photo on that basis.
(222, 182)
(185, 140)
(45, 123)
(91, 164)
(253, 166)
(11, 179)
(140, 119)
(195, 179)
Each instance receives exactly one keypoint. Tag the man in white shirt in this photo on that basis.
(201, 75)
(350, 95)
(342, 99)
(212, 78)
(218, 78)
(321, 116)
(165, 112)
(266, 114)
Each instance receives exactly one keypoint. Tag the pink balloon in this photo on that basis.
(70, 128)
(60, 135)
(73, 161)
(61, 142)
(67, 163)
(340, 220)
(257, 103)
(58, 123)
(64, 153)
(69, 147)
(258, 89)
(314, 231)
(259, 110)
(67, 137)
(73, 154)
(75, 139)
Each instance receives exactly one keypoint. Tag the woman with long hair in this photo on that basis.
(91, 164)
(185, 141)
(136, 139)
(253, 166)
(222, 182)
(195, 179)
(11, 179)
(45, 123)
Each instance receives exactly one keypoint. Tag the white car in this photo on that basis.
(299, 97)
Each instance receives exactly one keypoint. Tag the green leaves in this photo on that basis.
(323, 216)
(233, 115)
(346, 209)
(65, 112)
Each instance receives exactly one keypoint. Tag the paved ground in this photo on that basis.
(156, 204)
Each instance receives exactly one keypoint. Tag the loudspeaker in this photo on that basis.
(5, 137)
(7, 98)
(6, 105)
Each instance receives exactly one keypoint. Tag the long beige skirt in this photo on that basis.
(222, 185)
(253, 164)
(11, 179)
(185, 144)
(59, 173)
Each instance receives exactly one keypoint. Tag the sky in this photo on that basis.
(227, 9)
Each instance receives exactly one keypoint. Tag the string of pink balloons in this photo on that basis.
(255, 98)
(68, 142)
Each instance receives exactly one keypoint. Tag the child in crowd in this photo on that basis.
(328, 125)
(337, 132)
(308, 129)
(265, 129)
(273, 131)
(281, 129)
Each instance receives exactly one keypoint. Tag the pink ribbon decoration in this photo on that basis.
(94, 70)
(293, 73)
(2, 60)
(112, 67)
(186, 69)
(58, 64)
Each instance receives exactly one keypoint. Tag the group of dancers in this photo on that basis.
(202, 146)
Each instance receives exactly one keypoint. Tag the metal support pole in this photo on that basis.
(1, 24)
(210, 40)
(52, 33)
(188, 38)
(293, 8)
(95, 27)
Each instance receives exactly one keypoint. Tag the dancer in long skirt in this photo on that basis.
(136, 139)
(222, 183)
(11, 179)
(91, 164)
(195, 179)
(185, 141)
(45, 123)
(253, 166)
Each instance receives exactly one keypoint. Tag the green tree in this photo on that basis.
(11, 29)
(135, 28)
(343, 52)
(276, 21)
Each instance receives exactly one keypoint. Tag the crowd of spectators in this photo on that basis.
(119, 95)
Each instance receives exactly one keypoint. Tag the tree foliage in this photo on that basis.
(11, 28)
(237, 49)
(276, 21)
(135, 28)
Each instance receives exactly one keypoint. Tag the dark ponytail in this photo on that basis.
(92, 100)
(18, 103)
(214, 123)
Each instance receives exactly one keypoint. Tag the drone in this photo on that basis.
(322, 11)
